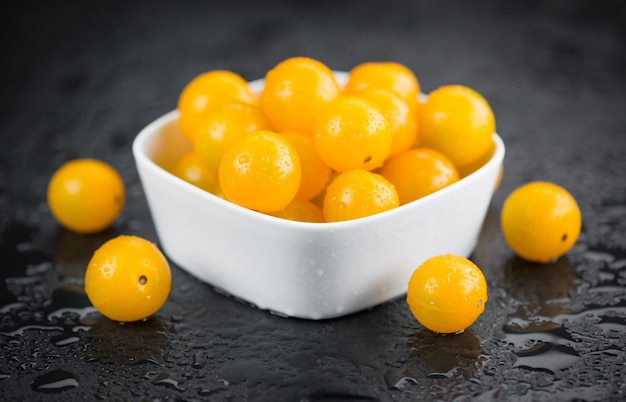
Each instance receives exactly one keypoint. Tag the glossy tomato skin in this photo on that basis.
(128, 279)
(86, 195)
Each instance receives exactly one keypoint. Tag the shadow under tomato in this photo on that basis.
(443, 355)
(125, 344)
(539, 338)
(540, 290)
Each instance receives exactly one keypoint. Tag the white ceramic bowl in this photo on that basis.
(299, 269)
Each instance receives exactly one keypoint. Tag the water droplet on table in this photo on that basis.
(55, 381)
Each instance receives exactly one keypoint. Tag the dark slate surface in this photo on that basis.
(80, 79)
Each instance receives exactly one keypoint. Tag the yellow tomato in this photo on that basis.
(447, 293)
(540, 221)
(351, 133)
(356, 194)
(315, 172)
(401, 118)
(214, 132)
(260, 171)
(301, 211)
(418, 172)
(86, 195)
(192, 168)
(458, 122)
(206, 92)
(392, 76)
(127, 279)
(295, 91)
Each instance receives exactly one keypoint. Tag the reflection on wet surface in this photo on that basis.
(541, 293)
(452, 358)
(558, 312)
(547, 329)
(55, 381)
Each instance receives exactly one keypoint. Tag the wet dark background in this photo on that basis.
(81, 79)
